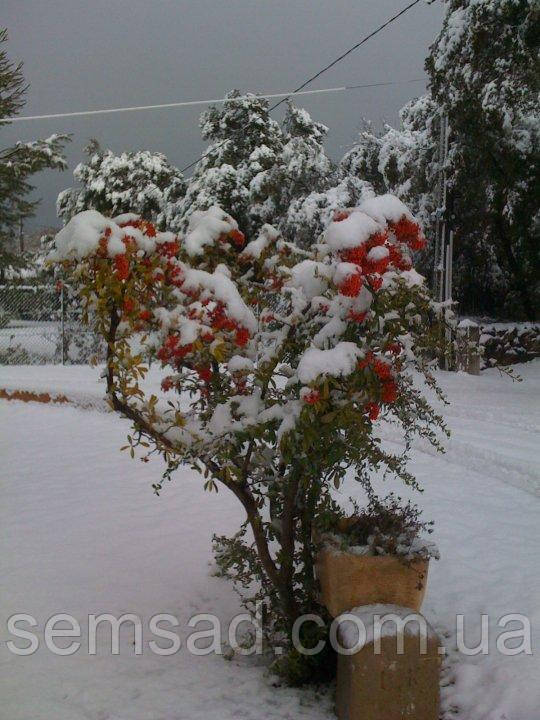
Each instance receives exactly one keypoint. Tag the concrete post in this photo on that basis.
(394, 673)
(468, 347)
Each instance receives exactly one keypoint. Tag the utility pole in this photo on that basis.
(63, 323)
(444, 236)
(439, 267)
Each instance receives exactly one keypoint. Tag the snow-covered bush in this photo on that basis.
(280, 362)
(509, 344)
(387, 526)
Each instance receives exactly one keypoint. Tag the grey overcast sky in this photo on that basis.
(92, 54)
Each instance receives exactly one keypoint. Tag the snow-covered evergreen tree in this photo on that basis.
(235, 172)
(402, 161)
(484, 75)
(307, 187)
(141, 182)
(303, 165)
(262, 172)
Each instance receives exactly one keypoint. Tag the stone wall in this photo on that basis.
(508, 344)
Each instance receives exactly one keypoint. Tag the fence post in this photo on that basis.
(468, 347)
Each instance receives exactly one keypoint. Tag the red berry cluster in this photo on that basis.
(312, 397)
(389, 392)
(121, 266)
(237, 237)
(204, 372)
(383, 370)
(372, 410)
(168, 249)
(351, 286)
(172, 351)
(220, 321)
(357, 317)
(406, 233)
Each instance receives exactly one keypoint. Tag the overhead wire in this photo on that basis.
(188, 103)
(324, 69)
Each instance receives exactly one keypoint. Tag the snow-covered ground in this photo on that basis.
(82, 533)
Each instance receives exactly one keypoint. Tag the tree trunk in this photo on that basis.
(308, 513)
(283, 585)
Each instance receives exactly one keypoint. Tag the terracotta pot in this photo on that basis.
(348, 580)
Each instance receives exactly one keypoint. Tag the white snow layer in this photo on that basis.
(351, 232)
(80, 237)
(205, 227)
(338, 361)
(366, 618)
(386, 208)
(82, 533)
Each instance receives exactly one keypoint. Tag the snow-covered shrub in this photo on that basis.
(280, 362)
(509, 344)
(387, 526)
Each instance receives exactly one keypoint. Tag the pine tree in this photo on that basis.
(235, 172)
(400, 161)
(19, 162)
(141, 182)
(303, 168)
(314, 188)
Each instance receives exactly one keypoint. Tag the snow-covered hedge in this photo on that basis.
(509, 344)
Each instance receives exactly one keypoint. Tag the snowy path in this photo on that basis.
(82, 533)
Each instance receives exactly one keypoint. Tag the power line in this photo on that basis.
(188, 103)
(349, 51)
(327, 67)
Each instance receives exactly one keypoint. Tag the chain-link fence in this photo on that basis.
(41, 324)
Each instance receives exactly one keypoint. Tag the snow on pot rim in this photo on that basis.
(419, 548)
